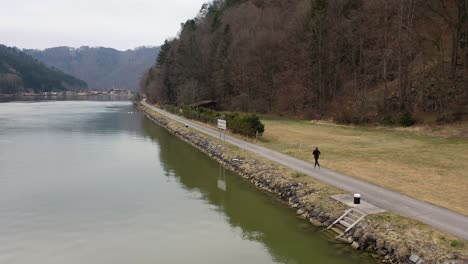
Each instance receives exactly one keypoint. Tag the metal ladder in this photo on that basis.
(347, 221)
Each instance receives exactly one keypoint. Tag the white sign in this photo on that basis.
(222, 124)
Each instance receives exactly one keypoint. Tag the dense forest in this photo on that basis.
(20, 72)
(352, 60)
(100, 67)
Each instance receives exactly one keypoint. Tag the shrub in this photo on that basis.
(189, 112)
(457, 243)
(407, 120)
(208, 116)
(171, 108)
(137, 98)
(244, 124)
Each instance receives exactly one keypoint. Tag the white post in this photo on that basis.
(222, 126)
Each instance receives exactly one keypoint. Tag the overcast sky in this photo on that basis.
(120, 24)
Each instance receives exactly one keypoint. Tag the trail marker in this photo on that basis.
(222, 125)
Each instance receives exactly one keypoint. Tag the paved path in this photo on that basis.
(432, 215)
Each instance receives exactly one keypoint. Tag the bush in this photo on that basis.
(208, 116)
(137, 98)
(189, 112)
(407, 120)
(457, 243)
(244, 124)
(171, 108)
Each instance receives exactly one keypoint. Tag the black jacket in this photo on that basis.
(316, 153)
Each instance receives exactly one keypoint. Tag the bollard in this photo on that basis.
(357, 198)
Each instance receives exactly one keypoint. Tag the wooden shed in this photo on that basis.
(206, 104)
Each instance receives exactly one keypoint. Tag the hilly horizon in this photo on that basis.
(100, 67)
(20, 72)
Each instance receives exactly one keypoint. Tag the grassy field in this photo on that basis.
(427, 167)
(392, 231)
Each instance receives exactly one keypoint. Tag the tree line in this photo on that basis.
(353, 60)
(20, 72)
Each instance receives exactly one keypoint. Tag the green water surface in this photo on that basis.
(97, 182)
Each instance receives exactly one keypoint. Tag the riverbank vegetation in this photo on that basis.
(245, 124)
(20, 72)
(356, 61)
(432, 166)
(385, 235)
(428, 160)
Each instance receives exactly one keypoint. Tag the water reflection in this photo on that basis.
(95, 182)
(259, 217)
(39, 98)
(222, 178)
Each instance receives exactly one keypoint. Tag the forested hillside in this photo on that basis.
(100, 67)
(352, 60)
(20, 72)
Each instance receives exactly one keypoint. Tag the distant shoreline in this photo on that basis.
(55, 94)
(58, 95)
(63, 97)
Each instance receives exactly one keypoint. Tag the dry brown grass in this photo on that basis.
(393, 230)
(435, 245)
(430, 168)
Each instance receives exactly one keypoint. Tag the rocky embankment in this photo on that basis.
(388, 237)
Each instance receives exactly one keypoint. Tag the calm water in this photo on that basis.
(95, 182)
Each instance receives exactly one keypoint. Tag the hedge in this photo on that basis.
(171, 109)
(240, 123)
(407, 120)
(245, 124)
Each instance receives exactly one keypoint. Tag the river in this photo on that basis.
(97, 182)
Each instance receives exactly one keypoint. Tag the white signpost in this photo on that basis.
(222, 125)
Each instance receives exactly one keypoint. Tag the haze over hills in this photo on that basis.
(19, 72)
(100, 67)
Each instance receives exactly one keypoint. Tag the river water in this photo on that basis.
(96, 182)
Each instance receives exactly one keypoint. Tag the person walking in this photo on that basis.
(316, 156)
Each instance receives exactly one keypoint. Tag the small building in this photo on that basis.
(206, 104)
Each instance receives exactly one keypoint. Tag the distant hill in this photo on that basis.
(100, 67)
(20, 72)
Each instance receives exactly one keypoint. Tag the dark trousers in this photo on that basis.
(316, 162)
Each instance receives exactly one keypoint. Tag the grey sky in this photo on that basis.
(119, 24)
